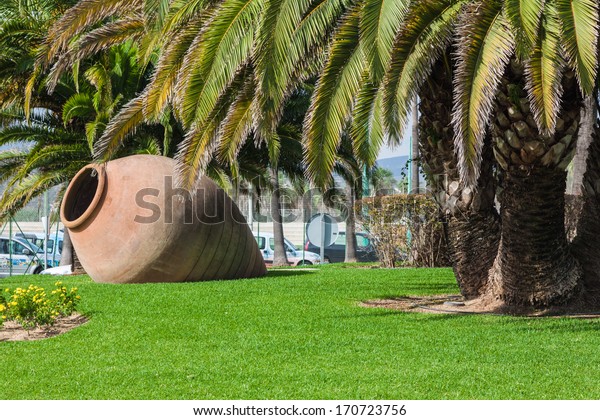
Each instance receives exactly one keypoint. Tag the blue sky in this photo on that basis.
(402, 150)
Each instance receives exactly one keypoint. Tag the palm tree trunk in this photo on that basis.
(77, 267)
(588, 119)
(586, 245)
(280, 256)
(414, 174)
(350, 256)
(470, 219)
(534, 266)
(473, 231)
(575, 188)
(66, 256)
(69, 255)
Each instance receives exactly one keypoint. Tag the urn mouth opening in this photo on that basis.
(82, 196)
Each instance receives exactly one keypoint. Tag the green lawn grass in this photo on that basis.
(297, 335)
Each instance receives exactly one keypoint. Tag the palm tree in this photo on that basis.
(34, 159)
(416, 42)
(23, 27)
(526, 65)
(382, 181)
(532, 136)
(44, 133)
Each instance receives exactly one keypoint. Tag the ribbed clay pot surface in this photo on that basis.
(129, 224)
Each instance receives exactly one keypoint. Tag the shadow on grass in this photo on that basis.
(417, 315)
(564, 324)
(568, 325)
(292, 272)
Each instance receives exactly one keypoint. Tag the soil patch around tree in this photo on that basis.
(456, 305)
(13, 331)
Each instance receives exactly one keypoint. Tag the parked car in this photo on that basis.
(55, 245)
(266, 244)
(336, 252)
(23, 256)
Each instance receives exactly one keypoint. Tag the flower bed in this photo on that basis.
(32, 307)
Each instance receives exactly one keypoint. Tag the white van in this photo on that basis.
(55, 244)
(18, 256)
(266, 244)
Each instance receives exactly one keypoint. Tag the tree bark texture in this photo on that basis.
(279, 256)
(534, 266)
(414, 175)
(586, 245)
(471, 221)
(588, 120)
(66, 256)
(350, 255)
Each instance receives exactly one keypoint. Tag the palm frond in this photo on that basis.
(79, 105)
(195, 153)
(317, 25)
(22, 133)
(225, 48)
(78, 19)
(379, 22)
(333, 99)
(200, 142)
(155, 11)
(180, 13)
(10, 162)
(99, 39)
(237, 126)
(162, 84)
(279, 21)
(580, 23)
(367, 123)
(92, 130)
(121, 126)
(485, 45)
(544, 72)
(55, 156)
(524, 16)
(219, 176)
(147, 146)
(422, 40)
(13, 199)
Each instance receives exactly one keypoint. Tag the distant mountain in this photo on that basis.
(397, 165)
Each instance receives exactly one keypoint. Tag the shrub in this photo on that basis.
(2, 313)
(405, 228)
(66, 300)
(32, 307)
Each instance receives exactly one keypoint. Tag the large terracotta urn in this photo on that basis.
(129, 224)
